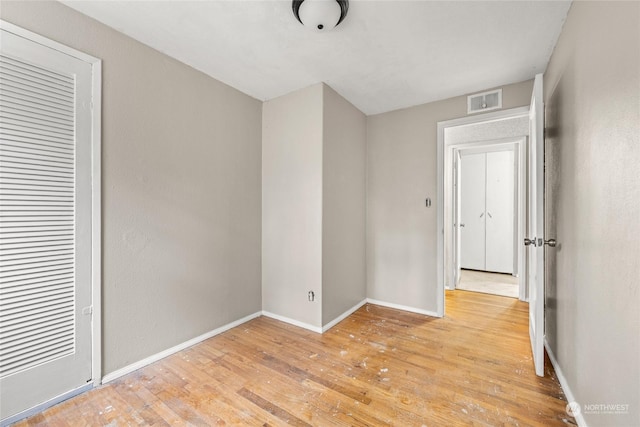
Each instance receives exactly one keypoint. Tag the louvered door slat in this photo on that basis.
(25, 264)
(34, 318)
(18, 258)
(41, 207)
(41, 127)
(21, 70)
(41, 92)
(27, 135)
(36, 81)
(50, 75)
(37, 284)
(24, 129)
(53, 152)
(31, 115)
(33, 328)
(24, 271)
(37, 215)
(23, 153)
(36, 352)
(41, 237)
(41, 334)
(32, 234)
(18, 98)
(37, 243)
(39, 279)
(11, 101)
(25, 292)
(37, 143)
(31, 231)
(33, 169)
(35, 262)
(40, 307)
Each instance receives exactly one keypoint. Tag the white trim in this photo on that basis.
(403, 307)
(96, 184)
(563, 382)
(316, 329)
(45, 405)
(168, 352)
(96, 220)
(488, 117)
(29, 35)
(343, 316)
(494, 116)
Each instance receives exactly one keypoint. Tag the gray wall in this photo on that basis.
(401, 173)
(343, 206)
(292, 205)
(181, 190)
(592, 92)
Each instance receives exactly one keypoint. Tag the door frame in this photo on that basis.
(444, 173)
(518, 145)
(96, 185)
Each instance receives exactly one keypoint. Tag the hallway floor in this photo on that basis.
(504, 285)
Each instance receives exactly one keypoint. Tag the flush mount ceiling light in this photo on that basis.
(320, 15)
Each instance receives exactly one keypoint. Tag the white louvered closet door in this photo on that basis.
(45, 224)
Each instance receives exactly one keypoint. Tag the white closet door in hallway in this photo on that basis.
(487, 211)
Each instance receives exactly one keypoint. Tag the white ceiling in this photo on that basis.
(385, 55)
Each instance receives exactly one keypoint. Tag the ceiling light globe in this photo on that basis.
(320, 15)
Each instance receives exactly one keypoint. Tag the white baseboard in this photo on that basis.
(293, 322)
(168, 352)
(343, 316)
(403, 307)
(563, 383)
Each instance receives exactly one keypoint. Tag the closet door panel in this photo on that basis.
(500, 211)
(472, 235)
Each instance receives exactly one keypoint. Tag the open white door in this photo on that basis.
(535, 226)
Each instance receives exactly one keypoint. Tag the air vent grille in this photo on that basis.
(485, 101)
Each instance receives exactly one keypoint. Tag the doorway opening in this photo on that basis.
(462, 141)
(531, 267)
(487, 213)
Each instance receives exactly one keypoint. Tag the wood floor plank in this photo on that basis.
(272, 408)
(377, 367)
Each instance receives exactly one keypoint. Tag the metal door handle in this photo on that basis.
(489, 214)
(482, 214)
(528, 242)
(461, 225)
(551, 242)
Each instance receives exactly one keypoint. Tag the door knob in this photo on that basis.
(550, 242)
(528, 242)
(461, 225)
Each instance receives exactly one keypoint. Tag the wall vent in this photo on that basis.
(485, 101)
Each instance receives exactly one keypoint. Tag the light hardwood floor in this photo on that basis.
(378, 367)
